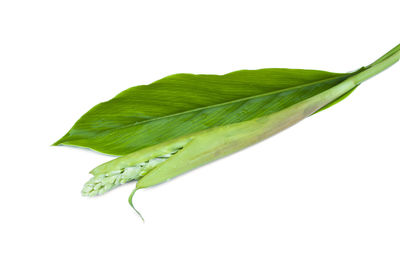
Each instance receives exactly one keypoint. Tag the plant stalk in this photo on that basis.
(378, 66)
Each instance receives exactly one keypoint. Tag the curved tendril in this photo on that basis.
(130, 203)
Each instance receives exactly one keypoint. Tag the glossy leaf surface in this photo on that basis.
(182, 104)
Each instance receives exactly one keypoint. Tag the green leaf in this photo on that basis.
(182, 104)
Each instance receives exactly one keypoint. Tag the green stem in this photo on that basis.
(385, 56)
(378, 66)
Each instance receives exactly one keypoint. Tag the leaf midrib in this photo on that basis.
(225, 103)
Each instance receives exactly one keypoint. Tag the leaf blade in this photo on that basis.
(181, 104)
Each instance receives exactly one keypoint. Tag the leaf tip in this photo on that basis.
(56, 143)
(61, 140)
(133, 207)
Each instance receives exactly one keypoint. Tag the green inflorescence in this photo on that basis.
(99, 184)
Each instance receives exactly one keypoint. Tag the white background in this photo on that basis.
(325, 192)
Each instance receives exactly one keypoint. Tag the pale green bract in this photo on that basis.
(184, 121)
(99, 184)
